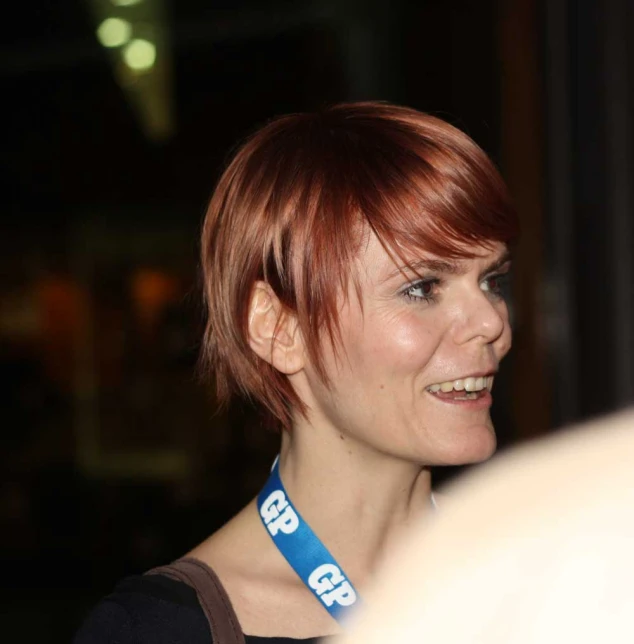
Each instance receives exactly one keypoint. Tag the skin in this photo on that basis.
(545, 542)
(357, 465)
(396, 343)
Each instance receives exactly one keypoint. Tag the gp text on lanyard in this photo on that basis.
(303, 550)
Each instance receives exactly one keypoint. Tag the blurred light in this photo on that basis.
(114, 32)
(140, 54)
(153, 291)
(125, 3)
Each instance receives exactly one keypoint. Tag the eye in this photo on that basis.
(496, 284)
(422, 290)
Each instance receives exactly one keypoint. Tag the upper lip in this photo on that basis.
(475, 374)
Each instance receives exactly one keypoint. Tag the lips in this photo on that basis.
(468, 384)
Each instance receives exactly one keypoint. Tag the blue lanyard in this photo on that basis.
(303, 550)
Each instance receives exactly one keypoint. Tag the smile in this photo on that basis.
(471, 386)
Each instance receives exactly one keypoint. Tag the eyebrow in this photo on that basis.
(422, 266)
(496, 264)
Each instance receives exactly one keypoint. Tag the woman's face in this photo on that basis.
(419, 352)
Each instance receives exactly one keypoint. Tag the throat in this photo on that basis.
(357, 500)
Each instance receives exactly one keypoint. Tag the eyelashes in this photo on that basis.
(427, 290)
(497, 284)
(422, 290)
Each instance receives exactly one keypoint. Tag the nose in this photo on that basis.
(481, 318)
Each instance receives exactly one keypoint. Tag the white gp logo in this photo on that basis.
(278, 515)
(331, 586)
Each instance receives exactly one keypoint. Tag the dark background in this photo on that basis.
(113, 456)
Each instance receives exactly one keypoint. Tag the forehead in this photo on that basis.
(376, 263)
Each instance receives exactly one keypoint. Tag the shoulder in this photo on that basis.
(266, 594)
(147, 608)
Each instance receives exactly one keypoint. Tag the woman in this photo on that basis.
(354, 262)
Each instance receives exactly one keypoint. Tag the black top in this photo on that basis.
(153, 609)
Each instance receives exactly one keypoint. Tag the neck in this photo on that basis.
(356, 500)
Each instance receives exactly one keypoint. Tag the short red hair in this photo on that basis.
(292, 206)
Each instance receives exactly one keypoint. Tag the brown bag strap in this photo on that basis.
(223, 622)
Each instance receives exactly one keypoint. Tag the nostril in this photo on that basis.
(484, 320)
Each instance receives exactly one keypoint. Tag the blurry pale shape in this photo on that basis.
(114, 32)
(536, 547)
(140, 55)
(125, 3)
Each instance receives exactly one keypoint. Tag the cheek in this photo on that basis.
(404, 343)
(503, 345)
(504, 342)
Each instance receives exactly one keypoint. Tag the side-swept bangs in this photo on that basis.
(294, 204)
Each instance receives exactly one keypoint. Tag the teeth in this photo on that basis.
(470, 384)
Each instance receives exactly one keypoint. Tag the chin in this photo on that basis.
(477, 444)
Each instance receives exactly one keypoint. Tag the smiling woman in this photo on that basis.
(412, 346)
(297, 203)
(354, 262)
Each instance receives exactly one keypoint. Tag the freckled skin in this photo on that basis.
(395, 347)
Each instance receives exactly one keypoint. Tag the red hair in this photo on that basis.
(291, 209)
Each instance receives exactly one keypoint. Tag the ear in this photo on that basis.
(273, 332)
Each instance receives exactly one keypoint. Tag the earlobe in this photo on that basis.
(274, 334)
